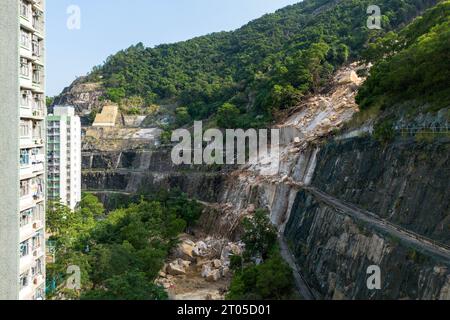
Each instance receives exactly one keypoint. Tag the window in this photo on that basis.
(24, 9)
(24, 249)
(24, 68)
(38, 187)
(36, 240)
(38, 101)
(24, 39)
(38, 212)
(37, 21)
(24, 280)
(24, 129)
(36, 74)
(37, 130)
(25, 217)
(24, 188)
(24, 158)
(25, 98)
(37, 268)
(36, 47)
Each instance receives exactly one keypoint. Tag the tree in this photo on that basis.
(295, 48)
(49, 101)
(182, 116)
(260, 235)
(271, 280)
(228, 116)
(90, 205)
(131, 285)
(115, 94)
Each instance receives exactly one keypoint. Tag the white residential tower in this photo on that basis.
(22, 155)
(64, 156)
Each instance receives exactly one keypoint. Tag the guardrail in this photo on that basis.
(413, 130)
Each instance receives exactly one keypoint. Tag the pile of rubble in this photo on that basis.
(209, 258)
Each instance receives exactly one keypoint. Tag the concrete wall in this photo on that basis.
(9, 153)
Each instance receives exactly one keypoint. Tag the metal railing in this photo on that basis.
(413, 130)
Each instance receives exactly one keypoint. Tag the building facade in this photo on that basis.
(23, 154)
(64, 156)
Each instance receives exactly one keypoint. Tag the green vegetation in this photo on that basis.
(413, 64)
(261, 68)
(384, 131)
(119, 254)
(260, 235)
(49, 101)
(272, 279)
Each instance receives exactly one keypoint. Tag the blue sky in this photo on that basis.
(108, 26)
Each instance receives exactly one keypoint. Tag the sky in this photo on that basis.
(75, 45)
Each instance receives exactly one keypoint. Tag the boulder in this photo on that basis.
(206, 270)
(225, 271)
(175, 269)
(213, 276)
(184, 263)
(217, 263)
(200, 249)
(185, 251)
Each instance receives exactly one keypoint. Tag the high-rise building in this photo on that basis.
(64, 156)
(22, 155)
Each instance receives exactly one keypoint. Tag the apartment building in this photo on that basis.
(23, 154)
(64, 156)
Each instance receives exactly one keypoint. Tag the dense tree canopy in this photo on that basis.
(120, 254)
(264, 66)
(413, 64)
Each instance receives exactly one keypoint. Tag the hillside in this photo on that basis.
(351, 190)
(265, 66)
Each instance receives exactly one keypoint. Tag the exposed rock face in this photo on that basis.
(147, 171)
(334, 252)
(405, 182)
(83, 96)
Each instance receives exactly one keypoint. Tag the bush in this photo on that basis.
(272, 280)
(384, 131)
(236, 262)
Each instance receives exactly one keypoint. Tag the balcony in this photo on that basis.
(38, 113)
(38, 22)
(26, 262)
(38, 167)
(26, 202)
(38, 141)
(38, 197)
(38, 252)
(26, 293)
(26, 172)
(40, 157)
(37, 49)
(25, 82)
(38, 78)
(26, 232)
(26, 15)
(26, 112)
